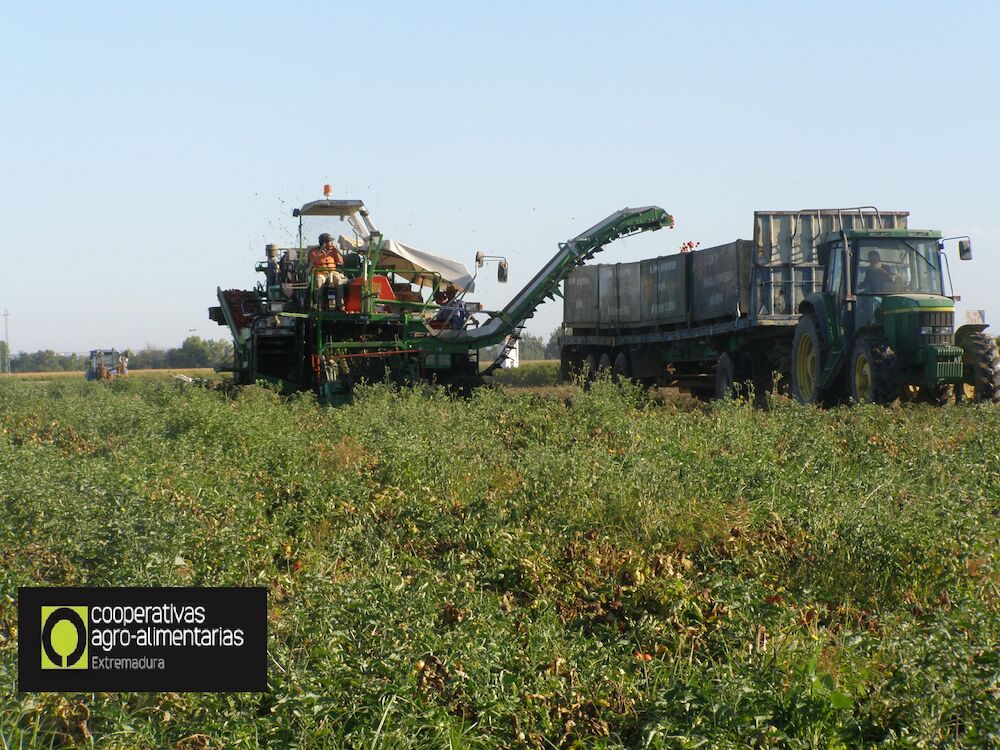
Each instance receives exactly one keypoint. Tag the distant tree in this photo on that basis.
(194, 352)
(552, 347)
(532, 347)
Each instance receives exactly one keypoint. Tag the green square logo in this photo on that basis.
(64, 637)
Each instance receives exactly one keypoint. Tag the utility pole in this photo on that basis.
(6, 341)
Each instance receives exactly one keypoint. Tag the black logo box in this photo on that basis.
(187, 669)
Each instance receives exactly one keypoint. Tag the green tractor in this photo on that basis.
(882, 328)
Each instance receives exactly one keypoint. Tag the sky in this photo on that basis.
(149, 151)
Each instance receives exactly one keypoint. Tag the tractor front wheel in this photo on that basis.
(808, 357)
(982, 366)
(873, 371)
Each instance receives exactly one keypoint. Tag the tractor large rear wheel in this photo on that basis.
(872, 371)
(808, 357)
(982, 366)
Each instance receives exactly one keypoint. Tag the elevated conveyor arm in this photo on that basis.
(545, 284)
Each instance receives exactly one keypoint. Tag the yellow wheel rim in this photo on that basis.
(863, 377)
(805, 366)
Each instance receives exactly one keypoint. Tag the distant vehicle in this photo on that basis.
(833, 304)
(106, 364)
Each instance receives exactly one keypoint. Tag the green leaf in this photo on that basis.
(841, 700)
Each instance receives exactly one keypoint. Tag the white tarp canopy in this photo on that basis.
(421, 267)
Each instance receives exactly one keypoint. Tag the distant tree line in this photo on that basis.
(532, 348)
(194, 352)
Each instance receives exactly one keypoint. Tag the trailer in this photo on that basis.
(796, 307)
(394, 312)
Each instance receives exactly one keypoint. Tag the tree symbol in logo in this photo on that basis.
(64, 637)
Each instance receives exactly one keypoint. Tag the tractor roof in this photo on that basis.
(329, 207)
(854, 234)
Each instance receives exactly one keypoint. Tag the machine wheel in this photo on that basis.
(565, 367)
(604, 365)
(589, 367)
(620, 370)
(872, 371)
(808, 356)
(732, 376)
(982, 366)
(703, 394)
(762, 377)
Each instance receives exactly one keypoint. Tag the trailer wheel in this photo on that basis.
(565, 367)
(808, 356)
(732, 376)
(872, 371)
(620, 370)
(762, 377)
(604, 365)
(982, 366)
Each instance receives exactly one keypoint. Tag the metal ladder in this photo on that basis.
(509, 343)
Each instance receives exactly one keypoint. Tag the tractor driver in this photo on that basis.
(325, 260)
(877, 279)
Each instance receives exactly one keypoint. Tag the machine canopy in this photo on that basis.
(421, 267)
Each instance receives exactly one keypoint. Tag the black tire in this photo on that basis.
(982, 366)
(732, 376)
(703, 393)
(604, 365)
(872, 371)
(566, 367)
(620, 370)
(807, 368)
(589, 367)
(762, 377)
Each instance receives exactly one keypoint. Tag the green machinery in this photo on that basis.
(288, 332)
(829, 303)
(883, 323)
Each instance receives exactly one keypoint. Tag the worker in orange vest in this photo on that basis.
(325, 260)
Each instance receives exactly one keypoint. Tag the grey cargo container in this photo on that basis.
(618, 294)
(663, 289)
(720, 281)
(580, 306)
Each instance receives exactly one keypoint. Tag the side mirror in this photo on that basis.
(965, 249)
(502, 272)
(480, 259)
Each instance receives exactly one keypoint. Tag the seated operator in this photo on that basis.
(877, 279)
(452, 313)
(325, 260)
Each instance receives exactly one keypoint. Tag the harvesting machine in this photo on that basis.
(292, 331)
(106, 364)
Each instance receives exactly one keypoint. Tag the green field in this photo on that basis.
(523, 570)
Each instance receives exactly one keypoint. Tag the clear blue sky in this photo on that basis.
(150, 150)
